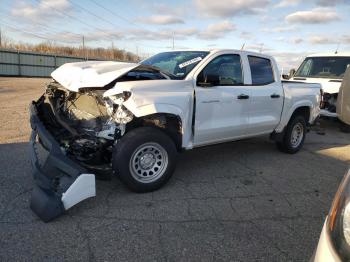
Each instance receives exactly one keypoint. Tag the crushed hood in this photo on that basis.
(74, 76)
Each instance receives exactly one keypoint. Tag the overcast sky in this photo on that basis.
(288, 29)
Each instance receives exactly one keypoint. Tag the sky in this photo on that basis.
(286, 29)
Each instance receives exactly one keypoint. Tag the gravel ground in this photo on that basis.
(241, 201)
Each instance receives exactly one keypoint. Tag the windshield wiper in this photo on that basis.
(157, 69)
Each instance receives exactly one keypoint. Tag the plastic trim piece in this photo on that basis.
(82, 188)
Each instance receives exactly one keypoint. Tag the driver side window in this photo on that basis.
(226, 69)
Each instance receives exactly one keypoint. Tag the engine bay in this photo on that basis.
(85, 124)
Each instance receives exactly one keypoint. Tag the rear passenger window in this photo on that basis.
(261, 69)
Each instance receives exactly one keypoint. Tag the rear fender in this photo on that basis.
(286, 116)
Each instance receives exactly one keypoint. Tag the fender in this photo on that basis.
(150, 109)
(287, 115)
(160, 96)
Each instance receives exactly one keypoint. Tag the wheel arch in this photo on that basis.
(303, 106)
(304, 111)
(169, 123)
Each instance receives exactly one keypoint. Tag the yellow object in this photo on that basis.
(343, 101)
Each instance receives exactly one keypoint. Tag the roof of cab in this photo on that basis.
(216, 50)
(331, 54)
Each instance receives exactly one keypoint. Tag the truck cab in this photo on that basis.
(238, 94)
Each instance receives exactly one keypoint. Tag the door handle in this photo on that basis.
(243, 96)
(275, 96)
(210, 101)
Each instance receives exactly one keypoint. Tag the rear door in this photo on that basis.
(266, 96)
(222, 109)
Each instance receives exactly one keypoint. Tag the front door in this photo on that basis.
(222, 101)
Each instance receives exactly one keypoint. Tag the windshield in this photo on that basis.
(323, 67)
(178, 63)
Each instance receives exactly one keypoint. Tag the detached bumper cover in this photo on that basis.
(60, 182)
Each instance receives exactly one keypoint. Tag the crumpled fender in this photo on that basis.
(159, 96)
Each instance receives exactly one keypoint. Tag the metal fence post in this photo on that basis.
(55, 61)
(19, 63)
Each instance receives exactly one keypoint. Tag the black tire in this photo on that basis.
(286, 145)
(124, 158)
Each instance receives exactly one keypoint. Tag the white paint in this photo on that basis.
(327, 86)
(231, 119)
(265, 112)
(299, 95)
(90, 74)
(159, 96)
(219, 115)
(82, 188)
(325, 251)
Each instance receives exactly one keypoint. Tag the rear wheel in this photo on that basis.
(144, 159)
(294, 135)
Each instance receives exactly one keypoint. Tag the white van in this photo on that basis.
(327, 69)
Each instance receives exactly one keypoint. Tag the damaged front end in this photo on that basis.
(328, 104)
(72, 141)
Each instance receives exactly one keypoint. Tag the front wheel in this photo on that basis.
(144, 159)
(294, 136)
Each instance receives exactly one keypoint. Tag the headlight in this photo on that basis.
(123, 115)
(126, 95)
(116, 109)
(339, 219)
(120, 98)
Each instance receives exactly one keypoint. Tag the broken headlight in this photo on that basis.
(339, 219)
(122, 115)
(115, 108)
(120, 98)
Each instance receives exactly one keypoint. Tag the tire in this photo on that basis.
(144, 159)
(292, 142)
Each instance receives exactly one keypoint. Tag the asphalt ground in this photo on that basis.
(239, 201)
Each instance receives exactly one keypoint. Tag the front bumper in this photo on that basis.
(60, 182)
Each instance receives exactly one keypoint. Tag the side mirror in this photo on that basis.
(208, 80)
(291, 73)
(286, 77)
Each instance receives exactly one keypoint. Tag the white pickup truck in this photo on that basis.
(133, 119)
(327, 69)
